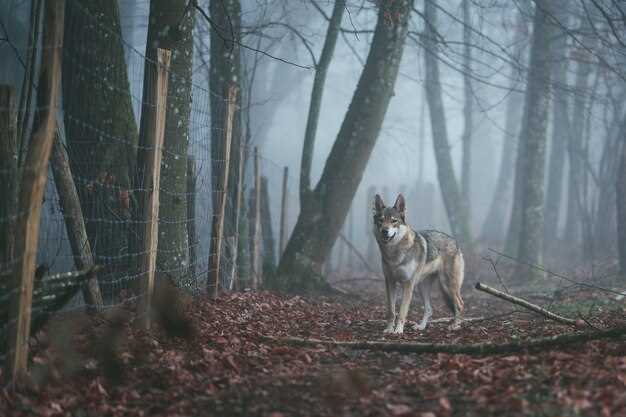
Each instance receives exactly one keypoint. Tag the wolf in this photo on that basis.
(412, 257)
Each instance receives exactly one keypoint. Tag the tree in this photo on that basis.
(100, 125)
(452, 198)
(560, 129)
(170, 27)
(493, 227)
(531, 158)
(620, 189)
(468, 107)
(326, 207)
(225, 72)
(575, 144)
(316, 98)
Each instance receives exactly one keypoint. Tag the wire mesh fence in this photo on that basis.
(92, 204)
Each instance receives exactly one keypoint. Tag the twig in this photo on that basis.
(495, 269)
(358, 254)
(525, 304)
(455, 348)
(542, 269)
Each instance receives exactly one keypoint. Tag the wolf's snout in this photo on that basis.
(388, 233)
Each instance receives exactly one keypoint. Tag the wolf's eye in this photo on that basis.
(395, 221)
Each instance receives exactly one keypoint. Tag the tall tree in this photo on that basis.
(560, 127)
(320, 220)
(170, 27)
(575, 144)
(316, 99)
(100, 125)
(225, 72)
(468, 107)
(494, 225)
(620, 189)
(452, 197)
(533, 141)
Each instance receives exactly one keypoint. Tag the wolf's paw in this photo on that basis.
(420, 327)
(454, 326)
(399, 328)
(388, 329)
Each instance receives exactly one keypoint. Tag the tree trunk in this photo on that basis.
(620, 189)
(101, 131)
(533, 140)
(468, 108)
(325, 211)
(575, 149)
(560, 130)
(453, 200)
(494, 226)
(225, 72)
(269, 244)
(316, 98)
(168, 29)
(8, 175)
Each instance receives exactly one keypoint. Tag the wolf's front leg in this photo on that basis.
(424, 288)
(390, 292)
(407, 294)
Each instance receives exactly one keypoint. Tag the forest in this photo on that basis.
(241, 208)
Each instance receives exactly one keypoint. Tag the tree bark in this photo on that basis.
(316, 99)
(560, 130)
(620, 190)
(170, 27)
(453, 200)
(269, 244)
(325, 211)
(102, 134)
(533, 141)
(573, 219)
(8, 175)
(225, 72)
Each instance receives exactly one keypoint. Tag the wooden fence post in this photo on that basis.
(257, 267)
(283, 215)
(192, 239)
(32, 188)
(239, 202)
(217, 228)
(149, 164)
(8, 175)
(74, 223)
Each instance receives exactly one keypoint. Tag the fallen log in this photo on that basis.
(472, 349)
(523, 303)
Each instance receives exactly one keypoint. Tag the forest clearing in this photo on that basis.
(216, 359)
(240, 208)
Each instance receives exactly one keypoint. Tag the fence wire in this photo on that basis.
(99, 129)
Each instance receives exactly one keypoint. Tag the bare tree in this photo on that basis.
(453, 200)
(319, 221)
(531, 157)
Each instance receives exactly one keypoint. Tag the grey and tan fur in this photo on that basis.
(412, 258)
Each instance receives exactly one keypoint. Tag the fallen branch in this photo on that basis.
(530, 306)
(473, 349)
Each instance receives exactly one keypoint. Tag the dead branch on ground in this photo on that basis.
(523, 303)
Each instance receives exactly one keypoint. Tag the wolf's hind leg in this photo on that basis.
(451, 280)
(425, 288)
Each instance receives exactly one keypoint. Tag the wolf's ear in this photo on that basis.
(400, 205)
(378, 203)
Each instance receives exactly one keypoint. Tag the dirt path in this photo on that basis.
(225, 368)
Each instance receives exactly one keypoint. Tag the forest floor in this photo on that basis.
(214, 360)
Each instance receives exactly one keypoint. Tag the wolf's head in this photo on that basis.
(389, 222)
